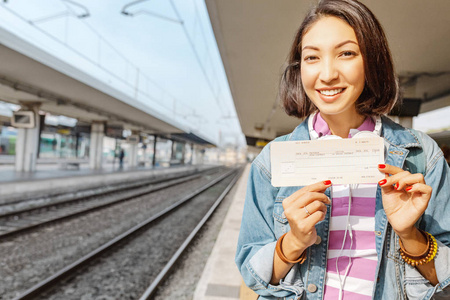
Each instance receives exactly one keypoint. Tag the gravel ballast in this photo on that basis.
(29, 258)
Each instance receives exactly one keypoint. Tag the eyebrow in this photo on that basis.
(337, 46)
(345, 42)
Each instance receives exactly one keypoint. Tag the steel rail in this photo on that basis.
(167, 268)
(51, 280)
(94, 208)
(122, 187)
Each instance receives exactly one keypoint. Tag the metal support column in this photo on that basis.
(27, 143)
(154, 150)
(96, 145)
(192, 154)
(183, 153)
(172, 150)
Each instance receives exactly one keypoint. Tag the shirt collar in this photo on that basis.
(392, 132)
(322, 128)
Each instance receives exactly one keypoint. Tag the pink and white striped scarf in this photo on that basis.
(351, 264)
(356, 256)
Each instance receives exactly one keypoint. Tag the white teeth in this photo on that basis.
(331, 92)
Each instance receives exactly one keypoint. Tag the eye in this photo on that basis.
(348, 53)
(310, 58)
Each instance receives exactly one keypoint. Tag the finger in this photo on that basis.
(315, 187)
(311, 197)
(315, 218)
(389, 169)
(306, 224)
(420, 188)
(410, 180)
(314, 207)
(385, 186)
(304, 212)
(312, 202)
(394, 179)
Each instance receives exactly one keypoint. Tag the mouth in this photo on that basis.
(331, 93)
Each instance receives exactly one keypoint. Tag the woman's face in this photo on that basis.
(332, 67)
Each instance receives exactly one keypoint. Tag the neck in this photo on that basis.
(341, 124)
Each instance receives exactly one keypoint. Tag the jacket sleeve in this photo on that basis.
(436, 220)
(257, 240)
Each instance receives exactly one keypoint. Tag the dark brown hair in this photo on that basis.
(381, 87)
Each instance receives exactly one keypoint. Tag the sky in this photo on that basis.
(165, 48)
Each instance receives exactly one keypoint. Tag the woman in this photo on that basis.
(363, 241)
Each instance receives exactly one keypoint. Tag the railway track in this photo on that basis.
(18, 221)
(188, 214)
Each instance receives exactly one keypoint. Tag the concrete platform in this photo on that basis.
(221, 279)
(49, 179)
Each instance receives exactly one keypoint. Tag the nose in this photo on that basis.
(328, 71)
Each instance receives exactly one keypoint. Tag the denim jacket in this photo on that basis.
(263, 222)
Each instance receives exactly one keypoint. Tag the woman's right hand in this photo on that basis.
(303, 210)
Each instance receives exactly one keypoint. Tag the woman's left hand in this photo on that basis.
(405, 197)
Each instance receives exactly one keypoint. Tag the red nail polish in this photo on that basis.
(381, 166)
(408, 188)
(327, 182)
(381, 182)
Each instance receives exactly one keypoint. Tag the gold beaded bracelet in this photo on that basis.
(428, 255)
(280, 254)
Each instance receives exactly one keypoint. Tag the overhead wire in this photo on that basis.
(205, 39)
(197, 56)
(83, 19)
(190, 39)
(65, 13)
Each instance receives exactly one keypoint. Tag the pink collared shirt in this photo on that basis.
(322, 129)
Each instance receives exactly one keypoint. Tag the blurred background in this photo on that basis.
(114, 113)
(150, 69)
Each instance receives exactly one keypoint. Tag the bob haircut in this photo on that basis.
(381, 86)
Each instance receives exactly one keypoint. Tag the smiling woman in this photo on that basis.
(357, 241)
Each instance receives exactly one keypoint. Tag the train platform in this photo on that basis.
(221, 279)
(53, 177)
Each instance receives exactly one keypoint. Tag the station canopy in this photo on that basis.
(254, 38)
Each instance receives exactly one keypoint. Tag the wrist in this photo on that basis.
(410, 233)
(419, 258)
(292, 249)
(414, 241)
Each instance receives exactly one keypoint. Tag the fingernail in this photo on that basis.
(327, 182)
(408, 188)
(381, 182)
(396, 186)
(381, 166)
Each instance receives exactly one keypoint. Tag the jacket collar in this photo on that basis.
(392, 132)
(398, 135)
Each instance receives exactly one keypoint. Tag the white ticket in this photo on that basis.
(343, 161)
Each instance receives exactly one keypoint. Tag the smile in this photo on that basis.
(330, 92)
